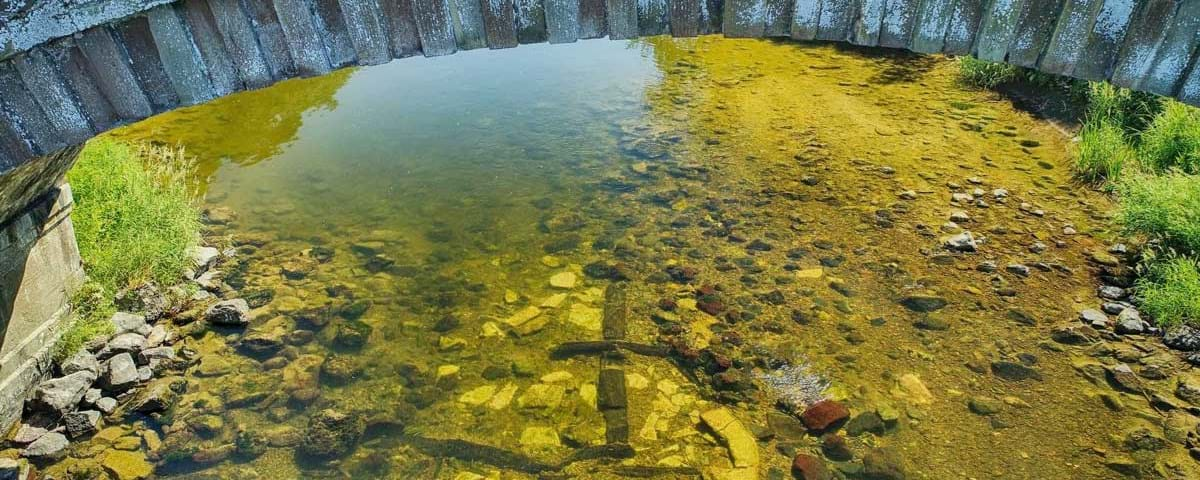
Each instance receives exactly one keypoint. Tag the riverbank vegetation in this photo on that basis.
(1145, 149)
(134, 220)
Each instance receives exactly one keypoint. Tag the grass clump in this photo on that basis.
(1164, 208)
(134, 217)
(134, 221)
(1170, 290)
(983, 74)
(1102, 152)
(92, 307)
(1123, 108)
(1172, 140)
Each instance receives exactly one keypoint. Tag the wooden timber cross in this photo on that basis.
(611, 400)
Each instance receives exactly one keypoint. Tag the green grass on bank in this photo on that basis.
(1102, 152)
(1170, 290)
(134, 220)
(1145, 149)
(1164, 208)
(978, 73)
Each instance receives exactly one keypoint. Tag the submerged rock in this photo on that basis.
(127, 465)
(1014, 371)
(824, 415)
(924, 303)
(331, 434)
(228, 313)
(809, 467)
(883, 464)
(964, 242)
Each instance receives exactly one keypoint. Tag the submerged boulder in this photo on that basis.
(229, 313)
(332, 434)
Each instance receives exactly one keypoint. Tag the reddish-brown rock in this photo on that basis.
(823, 415)
(809, 467)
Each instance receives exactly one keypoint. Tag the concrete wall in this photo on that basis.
(39, 270)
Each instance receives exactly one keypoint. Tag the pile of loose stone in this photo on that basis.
(132, 372)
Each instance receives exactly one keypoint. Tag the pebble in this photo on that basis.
(963, 242)
(564, 280)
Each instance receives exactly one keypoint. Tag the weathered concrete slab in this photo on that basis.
(836, 19)
(531, 21)
(433, 25)
(963, 27)
(368, 33)
(898, 21)
(562, 20)
(1070, 36)
(151, 77)
(78, 77)
(712, 14)
(1033, 32)
(1189, 92)
(1176, 51)
(806, 16)
(685, 17)
(13, 148)
(40, 269)
(777, 18)
(745, 18)
(1000, 24)
(31, 123)
(334, 32)
(209, 41)
(499, 23)
(929, 31)
(869, 22)
(237, 35)
(272, 41)
(113, 75)
(467, 20)
(1104, 43)
(622, 19)
(652, 17)
(304, 42)
(402, 27)
(592, 23)
(49, 19)
(50, 91)
(1145, 33)
(179, 56)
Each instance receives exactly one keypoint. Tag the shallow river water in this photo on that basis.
(759, 219)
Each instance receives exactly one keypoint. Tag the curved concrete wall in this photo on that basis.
(79, 67)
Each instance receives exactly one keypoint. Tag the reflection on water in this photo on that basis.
(423, 238)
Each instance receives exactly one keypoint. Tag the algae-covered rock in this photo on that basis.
(332, 434)
(352, 334)
(125, 465)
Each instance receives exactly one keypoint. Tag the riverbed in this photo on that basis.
(766, 222)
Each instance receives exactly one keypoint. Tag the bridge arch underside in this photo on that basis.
(85, 66)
